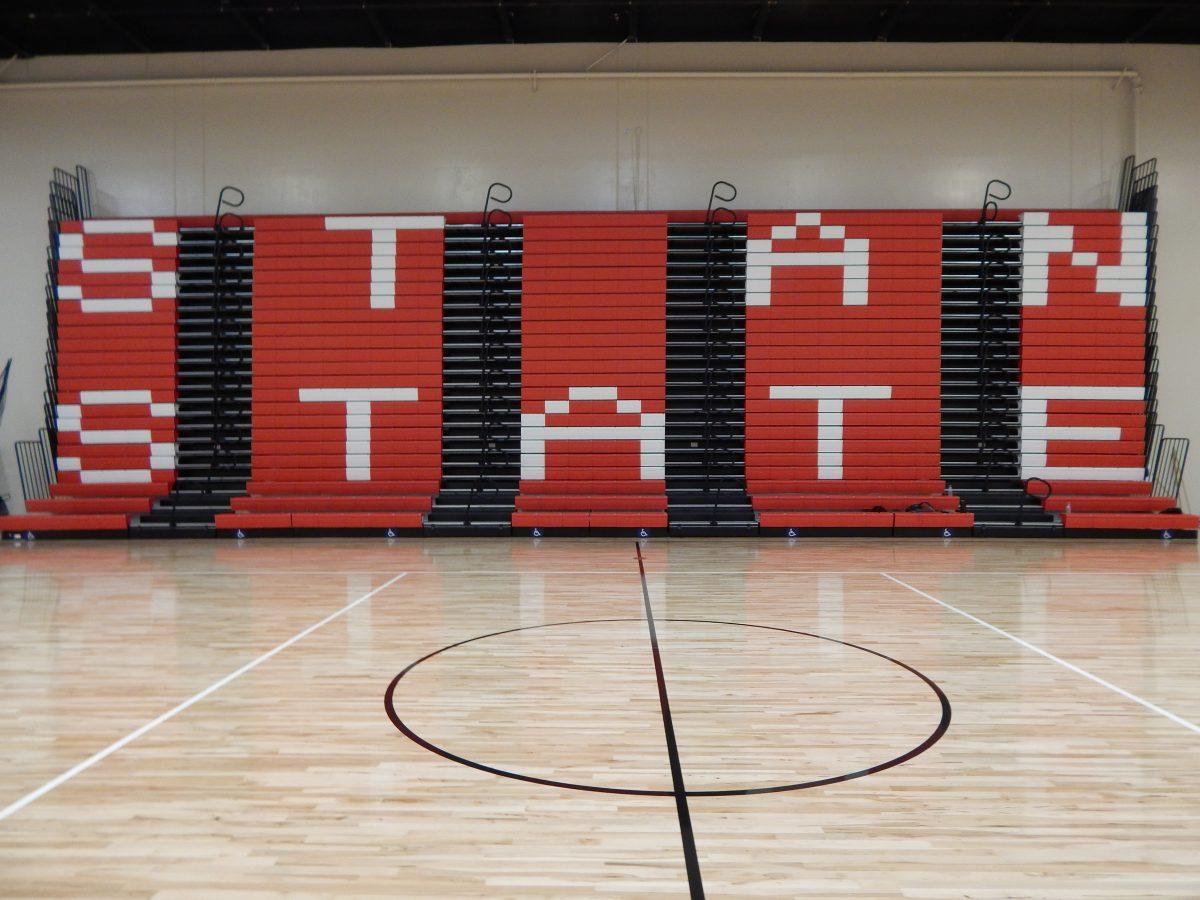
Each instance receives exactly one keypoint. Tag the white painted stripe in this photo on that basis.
(117, 265)
(1080, 392)
(105, 398)
(165, 239)
(117, 226)
(592, 393)
(350, 395)
(1049, 231)
(830, 392)
(116, 305)
(112, 748)
(116, 436)
(115, 476)
(375, 223)
(1070, 432)
(1153, 707)
(1084, 473)
(70, 292)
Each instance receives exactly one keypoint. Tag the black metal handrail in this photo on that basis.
(3, 398)
(717, 219)
(35, 466)
(492, 220)
(228, 230)
(70, 198)
(1139, 193)
(4, 386)
(991, 322)
(1026, 494)
(1169, 463)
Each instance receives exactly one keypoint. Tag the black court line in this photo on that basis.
(691, 860)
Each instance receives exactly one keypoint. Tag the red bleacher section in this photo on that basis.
(593, 371)
(116, 375)
(842, 383)
(347, 392)
(843, 361)
(1083, 334)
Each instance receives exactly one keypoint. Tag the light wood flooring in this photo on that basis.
(208, 719)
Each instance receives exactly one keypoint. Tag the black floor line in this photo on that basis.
(691, 860)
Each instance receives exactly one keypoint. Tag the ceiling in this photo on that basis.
(29, 28)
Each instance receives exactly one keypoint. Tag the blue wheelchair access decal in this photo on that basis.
(946, 532)
(537, 532)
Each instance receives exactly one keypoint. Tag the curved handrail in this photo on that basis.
(1049, 487)
(4, 385)
(991, 202)
(493, 217)
(995, 191)
(225, 222)
(716, 215)
(232, 204)
(715, 195)
(1026, 494)
(492, 197)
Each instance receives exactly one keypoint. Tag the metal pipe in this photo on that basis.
(1119, 74)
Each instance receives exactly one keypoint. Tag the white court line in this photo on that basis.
(781, 573)
(191, 701)
(1178, 720)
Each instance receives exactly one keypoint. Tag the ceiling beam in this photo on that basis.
(890, 20)
(247, 26)
(12, 48)
(503, 16)
(1155, 19)
(760, 19)
(95, 9)
(1022, 21)
(381, 33)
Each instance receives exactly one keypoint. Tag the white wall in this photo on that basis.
(599, 143)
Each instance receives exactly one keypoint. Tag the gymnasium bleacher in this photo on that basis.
(116, 388)
(880, 372)
(347, 358)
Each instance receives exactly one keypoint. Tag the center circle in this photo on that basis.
(756, 708)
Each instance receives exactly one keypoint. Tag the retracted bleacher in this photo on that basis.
(347, 389)
(593, 372)
(835, 322)
(1084, 299)
(843, 370)
(115, 411)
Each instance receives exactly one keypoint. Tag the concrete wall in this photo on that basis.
(366, 142)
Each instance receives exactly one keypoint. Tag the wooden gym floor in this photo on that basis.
(983, 719)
